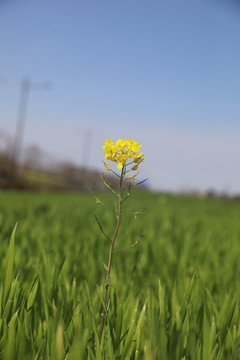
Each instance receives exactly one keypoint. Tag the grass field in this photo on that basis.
(175, 295)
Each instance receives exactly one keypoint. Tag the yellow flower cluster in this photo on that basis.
(121, 151)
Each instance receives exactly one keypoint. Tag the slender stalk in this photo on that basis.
(110, 256)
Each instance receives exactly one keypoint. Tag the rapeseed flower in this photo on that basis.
(127, 156)
(122, 151)
(107, 167)
(135, 167)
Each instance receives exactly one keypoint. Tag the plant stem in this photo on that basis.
(110, 258)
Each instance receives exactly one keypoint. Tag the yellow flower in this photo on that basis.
(122, 151)
(138, 158)
(131, 177)
(110, 150)
(107, 167)
(135, 167)
(121, 159)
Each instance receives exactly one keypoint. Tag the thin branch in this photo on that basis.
(105, 266)
(100, 226)
(140, 182)
(131, 246)
(132, 162)
(134, 213)
(98, 201)
(112, 170)
(128, 188)
(107, 184)
(96, 198)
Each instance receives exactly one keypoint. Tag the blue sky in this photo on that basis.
(165, 73)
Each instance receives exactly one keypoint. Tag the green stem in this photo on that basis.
(111, 254)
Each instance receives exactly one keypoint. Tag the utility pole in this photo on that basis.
(21, 117)
(26, 86)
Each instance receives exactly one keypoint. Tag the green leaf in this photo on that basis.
(32, 293)
(59, 342)
(10, 353)
(129, 339)
(119, 323)
(161, 297)
(110, 343)
(9, 270)
(139, 331)
(206, 338)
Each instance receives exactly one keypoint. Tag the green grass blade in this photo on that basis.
(9, 270)
(32, 293)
